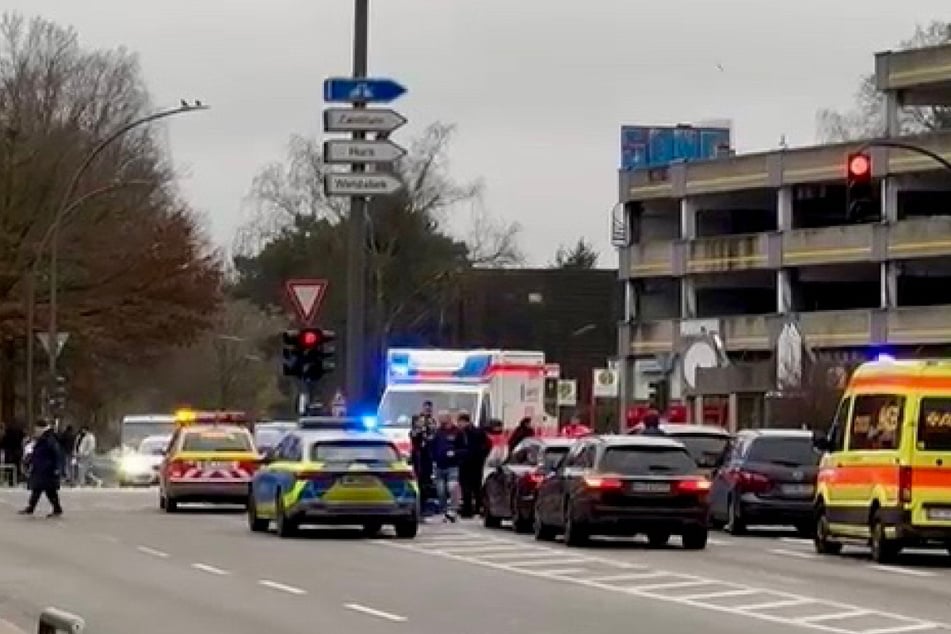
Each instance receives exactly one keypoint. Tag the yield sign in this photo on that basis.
(306, 295)
(61, 338)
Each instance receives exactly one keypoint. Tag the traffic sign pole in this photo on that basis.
(356, 252)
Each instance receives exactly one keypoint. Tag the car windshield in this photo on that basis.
(354, 451)
(787, 451)
(153, 446)
(706, 449)
(553, 456)
(216, 441)
(398, 408)
(642, 461)
(269, 436)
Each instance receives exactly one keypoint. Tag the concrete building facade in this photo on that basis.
(732, 250)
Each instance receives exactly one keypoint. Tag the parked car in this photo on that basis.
(705, 443)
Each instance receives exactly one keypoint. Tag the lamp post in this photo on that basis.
(29, 282)
(64, 208)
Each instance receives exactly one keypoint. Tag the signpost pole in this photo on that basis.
(356, 253)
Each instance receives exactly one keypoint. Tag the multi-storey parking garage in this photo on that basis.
(733, 249)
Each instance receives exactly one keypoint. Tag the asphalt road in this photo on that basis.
(125, 566)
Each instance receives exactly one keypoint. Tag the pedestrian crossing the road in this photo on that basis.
(578, 567)
(90, 499)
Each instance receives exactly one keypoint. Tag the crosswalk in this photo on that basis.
(564, 565)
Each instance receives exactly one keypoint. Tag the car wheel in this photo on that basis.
(407, 529)
(575, 534)
(884, 550)
(284, 525)
(171, 505)
(161, 502)
(372, 529)
(542, 531)
(658, 539)
(522, 524)
(736, 525)
(695, 538)
(822, 535)
(255, 523)
(806, 530)
(489, 520)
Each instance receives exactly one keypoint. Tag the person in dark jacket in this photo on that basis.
(478, 447)
(422, 431)
(46, 468)
(652, 425)
(523, 431)
(449, 452)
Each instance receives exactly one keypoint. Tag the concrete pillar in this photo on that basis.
(784, 208)
(698, 410)
(688, 219)
(889, 284)
(892, 112)
(784, 298)
(733, 413)
(688, 298)
(889, 199)
(631, 301)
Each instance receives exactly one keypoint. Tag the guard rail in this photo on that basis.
(53, 620)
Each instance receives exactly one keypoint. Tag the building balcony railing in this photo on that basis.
(922, 237)
(917, 325)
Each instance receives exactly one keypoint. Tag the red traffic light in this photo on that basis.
(859, 166)
(310, 338)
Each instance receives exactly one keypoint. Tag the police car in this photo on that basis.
(211, 458)
(334, 471)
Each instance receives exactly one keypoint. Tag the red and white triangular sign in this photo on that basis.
(306, 296)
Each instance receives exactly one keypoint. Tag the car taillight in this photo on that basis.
(603, 483)
(177, 468)
(533, 479)
(698, 486)
(904, 484)
(251, 465)
(753, 482)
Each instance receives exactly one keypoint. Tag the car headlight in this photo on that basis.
(133, 464)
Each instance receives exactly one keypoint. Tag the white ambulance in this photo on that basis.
(489, 384)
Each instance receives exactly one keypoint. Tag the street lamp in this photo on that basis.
(65, 205)
(30, 283)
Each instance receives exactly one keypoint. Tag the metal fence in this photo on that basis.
(53, 620)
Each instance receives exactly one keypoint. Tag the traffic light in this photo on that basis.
(310, 344)
(860, 192)
(328, 349)
(658, 394)
(290, 353)
(58, 396)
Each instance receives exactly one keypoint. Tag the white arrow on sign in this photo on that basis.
(362, 151)
(362, 120)
(61, 339)
(361, 184)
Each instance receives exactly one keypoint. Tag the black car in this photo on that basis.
(767, 478)
(624, 485)
(508, 492)
(705, 443)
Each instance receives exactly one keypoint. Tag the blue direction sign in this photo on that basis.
(363, 90)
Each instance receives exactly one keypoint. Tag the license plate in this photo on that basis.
(797, 490)
(939, 514)
(358, 481)
(650, 487)
(217, 465)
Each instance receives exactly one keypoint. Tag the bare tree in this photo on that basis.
(867, 118)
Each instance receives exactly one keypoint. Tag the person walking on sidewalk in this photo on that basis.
(448, 453)
(46, 464)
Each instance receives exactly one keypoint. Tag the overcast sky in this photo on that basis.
(537, 88)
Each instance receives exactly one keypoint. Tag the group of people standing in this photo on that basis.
(448, 455)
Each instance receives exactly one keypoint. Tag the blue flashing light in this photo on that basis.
(885, 358)
(370, 422)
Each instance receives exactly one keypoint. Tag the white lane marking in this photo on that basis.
(112, 539)
(631, 576)
(356, 607)
(209, 569)
(546, 554)
(741, 592)
(475, 550)
(771, 605)
(793, 553)
(719, 542)
(653, 587)
(913, 627)
(903, 571)
(546, 562)
(152, 551)
(757, 611)
(275, 585)
(563, 572)
(836, 616)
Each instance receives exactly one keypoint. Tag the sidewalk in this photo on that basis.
(7, 627)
